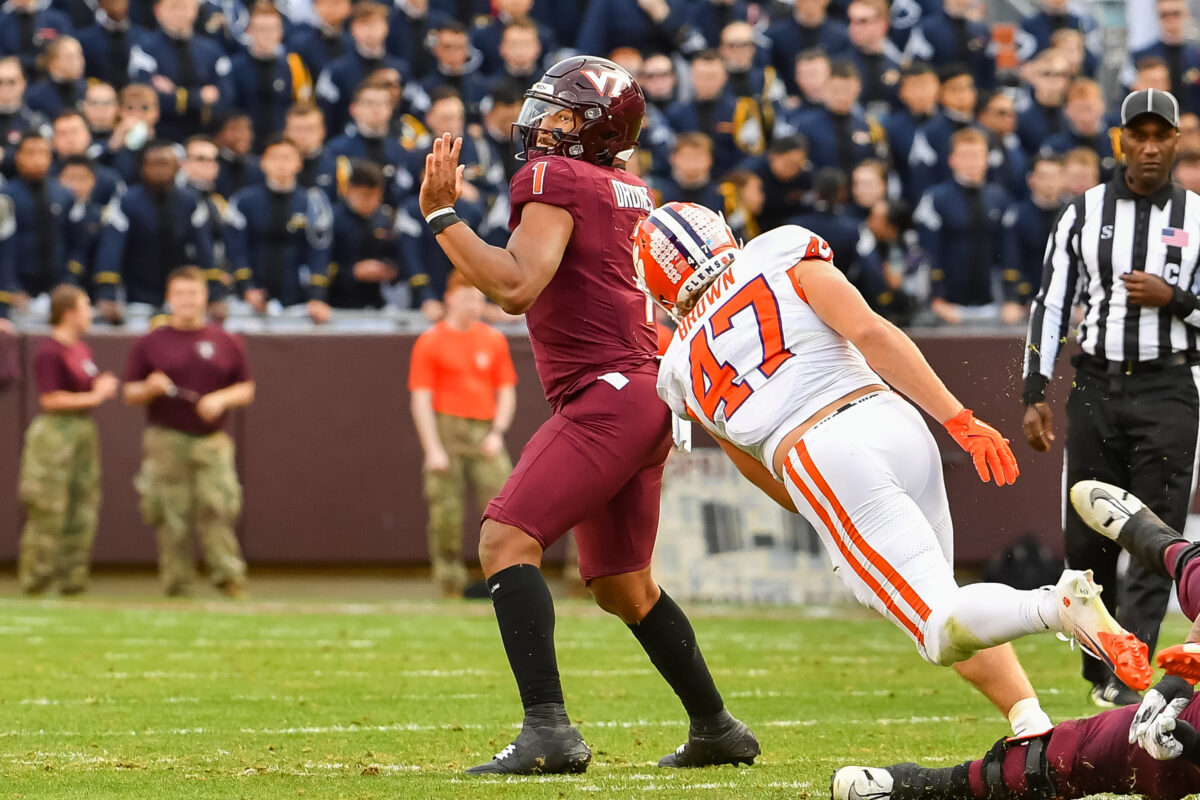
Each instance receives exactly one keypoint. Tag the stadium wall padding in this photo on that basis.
(331, 464)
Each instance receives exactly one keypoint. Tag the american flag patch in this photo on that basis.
(1174, 237)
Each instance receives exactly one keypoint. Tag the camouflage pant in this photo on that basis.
(446, 492)
(60, 489)
(189, 480)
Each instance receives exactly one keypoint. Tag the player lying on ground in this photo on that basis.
(596, 465)
(781, 359)
(1152, 750)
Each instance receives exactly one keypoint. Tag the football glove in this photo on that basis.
(1160, 705)
(988, 449)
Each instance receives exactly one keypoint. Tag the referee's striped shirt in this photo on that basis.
(1102, 234)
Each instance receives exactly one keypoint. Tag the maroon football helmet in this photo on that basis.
(607, 104)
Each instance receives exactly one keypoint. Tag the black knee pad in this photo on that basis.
(1039, 784)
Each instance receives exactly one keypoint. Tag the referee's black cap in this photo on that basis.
(1151, 101)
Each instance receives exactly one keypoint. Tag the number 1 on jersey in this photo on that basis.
(539, 176)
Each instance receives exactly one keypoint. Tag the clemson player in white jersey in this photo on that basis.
(781, 359)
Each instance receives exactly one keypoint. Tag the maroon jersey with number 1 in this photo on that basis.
(591, 319)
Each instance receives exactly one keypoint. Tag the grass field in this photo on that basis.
(127, 698)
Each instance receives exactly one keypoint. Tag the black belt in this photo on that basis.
(1103, 366)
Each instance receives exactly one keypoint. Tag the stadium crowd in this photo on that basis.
(279, 146)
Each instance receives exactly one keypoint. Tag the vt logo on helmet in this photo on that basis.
(583, 107)
(677, 252)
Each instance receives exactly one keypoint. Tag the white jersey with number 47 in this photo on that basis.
(752, 360)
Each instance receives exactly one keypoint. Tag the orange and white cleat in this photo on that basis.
(1182, 660)
(1085, 619)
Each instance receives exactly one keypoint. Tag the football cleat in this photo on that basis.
(540, 750)
(1112, 693)
(726, 740)
(1084, 618)
(1104, 507)
(1182, 660)
(861, 783)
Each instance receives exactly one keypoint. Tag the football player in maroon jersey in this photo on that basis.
(596, 465)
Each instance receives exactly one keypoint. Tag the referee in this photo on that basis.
(1127, 251)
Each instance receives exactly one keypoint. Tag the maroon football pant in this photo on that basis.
(596, 467)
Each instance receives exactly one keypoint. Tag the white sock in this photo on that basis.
(1027, 718)
(992, 613)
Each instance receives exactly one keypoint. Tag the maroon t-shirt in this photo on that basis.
(59, 368)
(197, 362)
(591, 319)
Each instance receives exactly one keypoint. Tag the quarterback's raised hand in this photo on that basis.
(989, 450)
(443, 179)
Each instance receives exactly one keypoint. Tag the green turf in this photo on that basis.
(122, 699)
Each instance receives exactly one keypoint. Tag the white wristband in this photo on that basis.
(441, 212)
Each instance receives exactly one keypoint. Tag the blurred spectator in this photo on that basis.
(1038, 30)
(519, 54)
(1151, 73)
(64, 85)
(26, 27)
(189, 72)
(887, 260)
(343, 75)
(78, 175)
(876, 57)
(409, 103)
(364, 247)
(808, 28)
(321, 42)
(1085, 116)
(691, 178)
(60, 462)
(742, 191)
(367, 138)
(758, 89)
(500, 110)
(713, 112)
(189, 374)
(304, 125)
(238, 166)
(828, 215)
(1081, 171)
(266, 79)
(1187, 170)
(927, 160)
(277, 237)
(957, 34)
(658, 81)
(1182, 56)
(136, 125)
(155, 227)
(838, 133)
(411, 25)
(648, 26)
(1007, 162)
(464, 395)
(456, 66)
(72, 139)
(786, 179)
(868, 185)
(106, 43)
(483, 181)
(1071, 43)
(1035, 217)
(710, 18)
(42, 241)
(1189, 133)
(100, 109)
(199, 173)
(15, 117)
(964, 223)
(1042, 113)
(525, 52)
(919, 89)
(8, 267)
(810, 73)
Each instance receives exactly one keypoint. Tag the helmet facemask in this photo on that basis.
(539, 127)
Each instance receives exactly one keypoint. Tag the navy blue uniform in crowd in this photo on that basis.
(707, 194)
(52, 97)
(219, 279)
(879, 73)
(1031, 228)
(279, 241)
(927, 158)
(424, 265)
(43, 242)
(26, 32)
(718, 119)
(789, 38)
(1036, 123)
(1183, 65)
(106, 47)
(655, 142)
(408, 35)
(108, 182)
(235, 172)
(1038, 29)
(317, 170)
(965, 232)
(900, 127)
(190, 64)
(487, 41)
(1008, 164)
(85, 218)
(1101, 143)
(834, 140)
(837, 227)
(265, 88)
(8, 267)
(471, 85)
(386, 151)
(708, 19)
(942, 39)
(336, 84)
(12, 125)
(357, 238)
(906, 15)
(783, 199)
(318, 47)
(609, 24)
(145, 235)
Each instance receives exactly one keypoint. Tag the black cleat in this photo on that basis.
(543, 747)
(1112, 693)
(723, 739)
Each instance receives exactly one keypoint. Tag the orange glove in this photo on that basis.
(987, 447)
